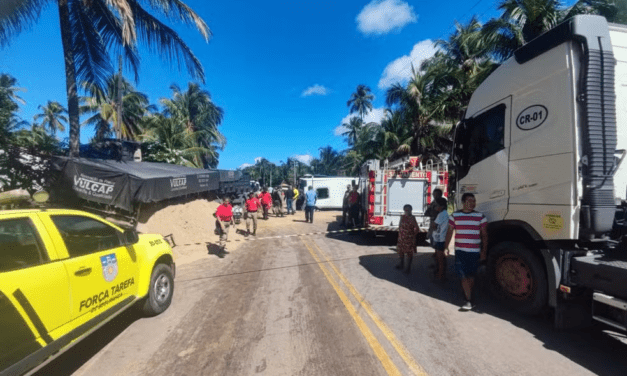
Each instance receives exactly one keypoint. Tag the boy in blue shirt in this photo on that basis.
(439, 237)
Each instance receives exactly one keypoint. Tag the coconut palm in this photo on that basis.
(201, 117)
(331, 160)
(52, 116)
(91, 29)
(102, 105)
(352, 127)
(360, 101)
(169, 140)
(523, 20)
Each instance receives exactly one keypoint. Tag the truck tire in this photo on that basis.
(517, 277)
(160, 291)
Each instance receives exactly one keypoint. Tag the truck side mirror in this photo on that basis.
(130, 237)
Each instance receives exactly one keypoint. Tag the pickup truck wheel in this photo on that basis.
(160, 291)
(517, 277)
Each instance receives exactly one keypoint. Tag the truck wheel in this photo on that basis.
(517, 277)
(160, 290)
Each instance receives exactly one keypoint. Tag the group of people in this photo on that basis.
(265, 201)
(469, 228)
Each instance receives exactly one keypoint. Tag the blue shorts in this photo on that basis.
(439, 246)
(466, 263)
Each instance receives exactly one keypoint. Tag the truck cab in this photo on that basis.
(541, 146)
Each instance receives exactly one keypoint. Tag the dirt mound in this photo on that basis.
(190, 221)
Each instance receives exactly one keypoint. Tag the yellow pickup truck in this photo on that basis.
(64, 273)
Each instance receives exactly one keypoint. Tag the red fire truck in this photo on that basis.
(389, 186)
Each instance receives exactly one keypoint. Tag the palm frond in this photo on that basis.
(18, 15)
(89, 49)
(176, 8)
(165, 41)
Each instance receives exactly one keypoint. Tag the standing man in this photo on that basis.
(296, 194)
(345, 206)
(224, 220)
(289, 198)
(310, 203)
(353, 203)
(252, 204)
(471, 244)
(432, 213)
(266, 201)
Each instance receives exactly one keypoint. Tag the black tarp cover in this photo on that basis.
(123, 183)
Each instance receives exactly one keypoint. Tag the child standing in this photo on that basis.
(407, 231)
(439, 237)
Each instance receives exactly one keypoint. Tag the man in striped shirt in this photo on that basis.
(471, 244)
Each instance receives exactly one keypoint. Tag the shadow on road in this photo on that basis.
(592, 347)
(82, 352)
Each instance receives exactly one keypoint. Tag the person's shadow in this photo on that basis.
(217, 250)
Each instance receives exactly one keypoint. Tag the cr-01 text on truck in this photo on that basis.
(541, 146)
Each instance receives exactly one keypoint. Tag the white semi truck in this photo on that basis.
(541, 146)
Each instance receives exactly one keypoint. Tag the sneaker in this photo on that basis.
(467, 306)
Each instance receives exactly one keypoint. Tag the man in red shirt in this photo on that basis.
(266, 201)
(252, 204)
(224, 220)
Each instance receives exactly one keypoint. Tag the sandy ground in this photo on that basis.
(189, 222)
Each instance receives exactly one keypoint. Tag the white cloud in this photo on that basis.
(258, 159)
(315, 90)
(382, 16)
(244, 165)
(374, 116)
(303, 158)
(400, 69)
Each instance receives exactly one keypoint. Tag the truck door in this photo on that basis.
(101, 270)
(34, 289)
(482, 156)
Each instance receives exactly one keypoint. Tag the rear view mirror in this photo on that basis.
(130, 237)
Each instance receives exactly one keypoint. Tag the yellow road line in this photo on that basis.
(379, 351)
(398, 346)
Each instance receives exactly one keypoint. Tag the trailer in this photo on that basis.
(387, 188)
(330, 189)
(540, 147)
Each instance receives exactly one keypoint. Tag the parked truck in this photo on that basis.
(387, 187)
(541, 146)
(330, 189)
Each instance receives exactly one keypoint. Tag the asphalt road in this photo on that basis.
(331, 305)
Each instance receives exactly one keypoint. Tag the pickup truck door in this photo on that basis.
(101, 270)
(34, 289)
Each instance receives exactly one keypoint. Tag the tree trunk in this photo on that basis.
(70, 78)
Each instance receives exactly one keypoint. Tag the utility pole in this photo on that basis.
(295, 167)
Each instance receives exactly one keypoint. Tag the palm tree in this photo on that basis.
(352, 127)
(523, 20)
(331, 161)
(52, 117)
(90, 29)
(168, 140)
(103, 105)
(361, 101)
(8, 89)
(201, 117)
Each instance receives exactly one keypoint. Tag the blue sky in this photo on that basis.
(282, 71)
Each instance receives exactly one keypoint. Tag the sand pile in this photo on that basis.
(188, 222)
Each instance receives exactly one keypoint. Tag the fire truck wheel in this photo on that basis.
(517, 277)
